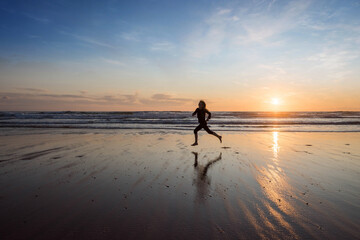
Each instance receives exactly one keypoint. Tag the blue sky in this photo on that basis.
(165, 55)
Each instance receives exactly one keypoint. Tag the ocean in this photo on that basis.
(181, 120)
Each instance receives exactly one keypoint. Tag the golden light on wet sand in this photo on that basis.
(275, 144)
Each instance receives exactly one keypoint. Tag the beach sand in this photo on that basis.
(127, 184)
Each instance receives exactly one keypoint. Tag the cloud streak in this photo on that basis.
(36, 18)
(130, 36)
(89, 40)
(37, 90)
(113, 62)
(162, 46)
(32, 97)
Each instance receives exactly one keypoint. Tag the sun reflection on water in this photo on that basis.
(276, 147)
(276, 205)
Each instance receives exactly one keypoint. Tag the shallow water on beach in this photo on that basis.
(181, 120)
(130, 184)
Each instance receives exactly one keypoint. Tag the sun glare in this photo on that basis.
(275, 101)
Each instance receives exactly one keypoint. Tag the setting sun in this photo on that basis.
(275, 101)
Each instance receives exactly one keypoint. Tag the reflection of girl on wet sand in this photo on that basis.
(201, 180)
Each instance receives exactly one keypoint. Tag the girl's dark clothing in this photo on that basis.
(201, 114)
(201, 118)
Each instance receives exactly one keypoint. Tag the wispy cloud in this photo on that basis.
(114, 62)
(273, 68)
(89, 40)
(168, 97)
(206, 40)
(42, 100)
(270, 4)
(333, 59)
(272, 72)
(28, 15)
(38, 90)
(223, 11)
(334, 64)
(227, 28)
(161, 99)
(130, 36)
(261, 26)
(162, 46)
(36, 18)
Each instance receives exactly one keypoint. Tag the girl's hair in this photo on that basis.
(203, 102)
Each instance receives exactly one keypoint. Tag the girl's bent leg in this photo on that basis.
(207, 129)
(218, 136)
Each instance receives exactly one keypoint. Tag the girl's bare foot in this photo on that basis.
(194, 144)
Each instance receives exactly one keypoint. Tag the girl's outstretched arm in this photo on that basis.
(195, 112)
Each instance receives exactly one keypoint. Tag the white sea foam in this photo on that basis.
(221, 121)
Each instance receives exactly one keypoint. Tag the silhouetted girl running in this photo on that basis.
(201, 111)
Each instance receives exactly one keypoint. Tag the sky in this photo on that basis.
(255, 55)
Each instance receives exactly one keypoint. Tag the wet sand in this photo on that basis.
(125, 184)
